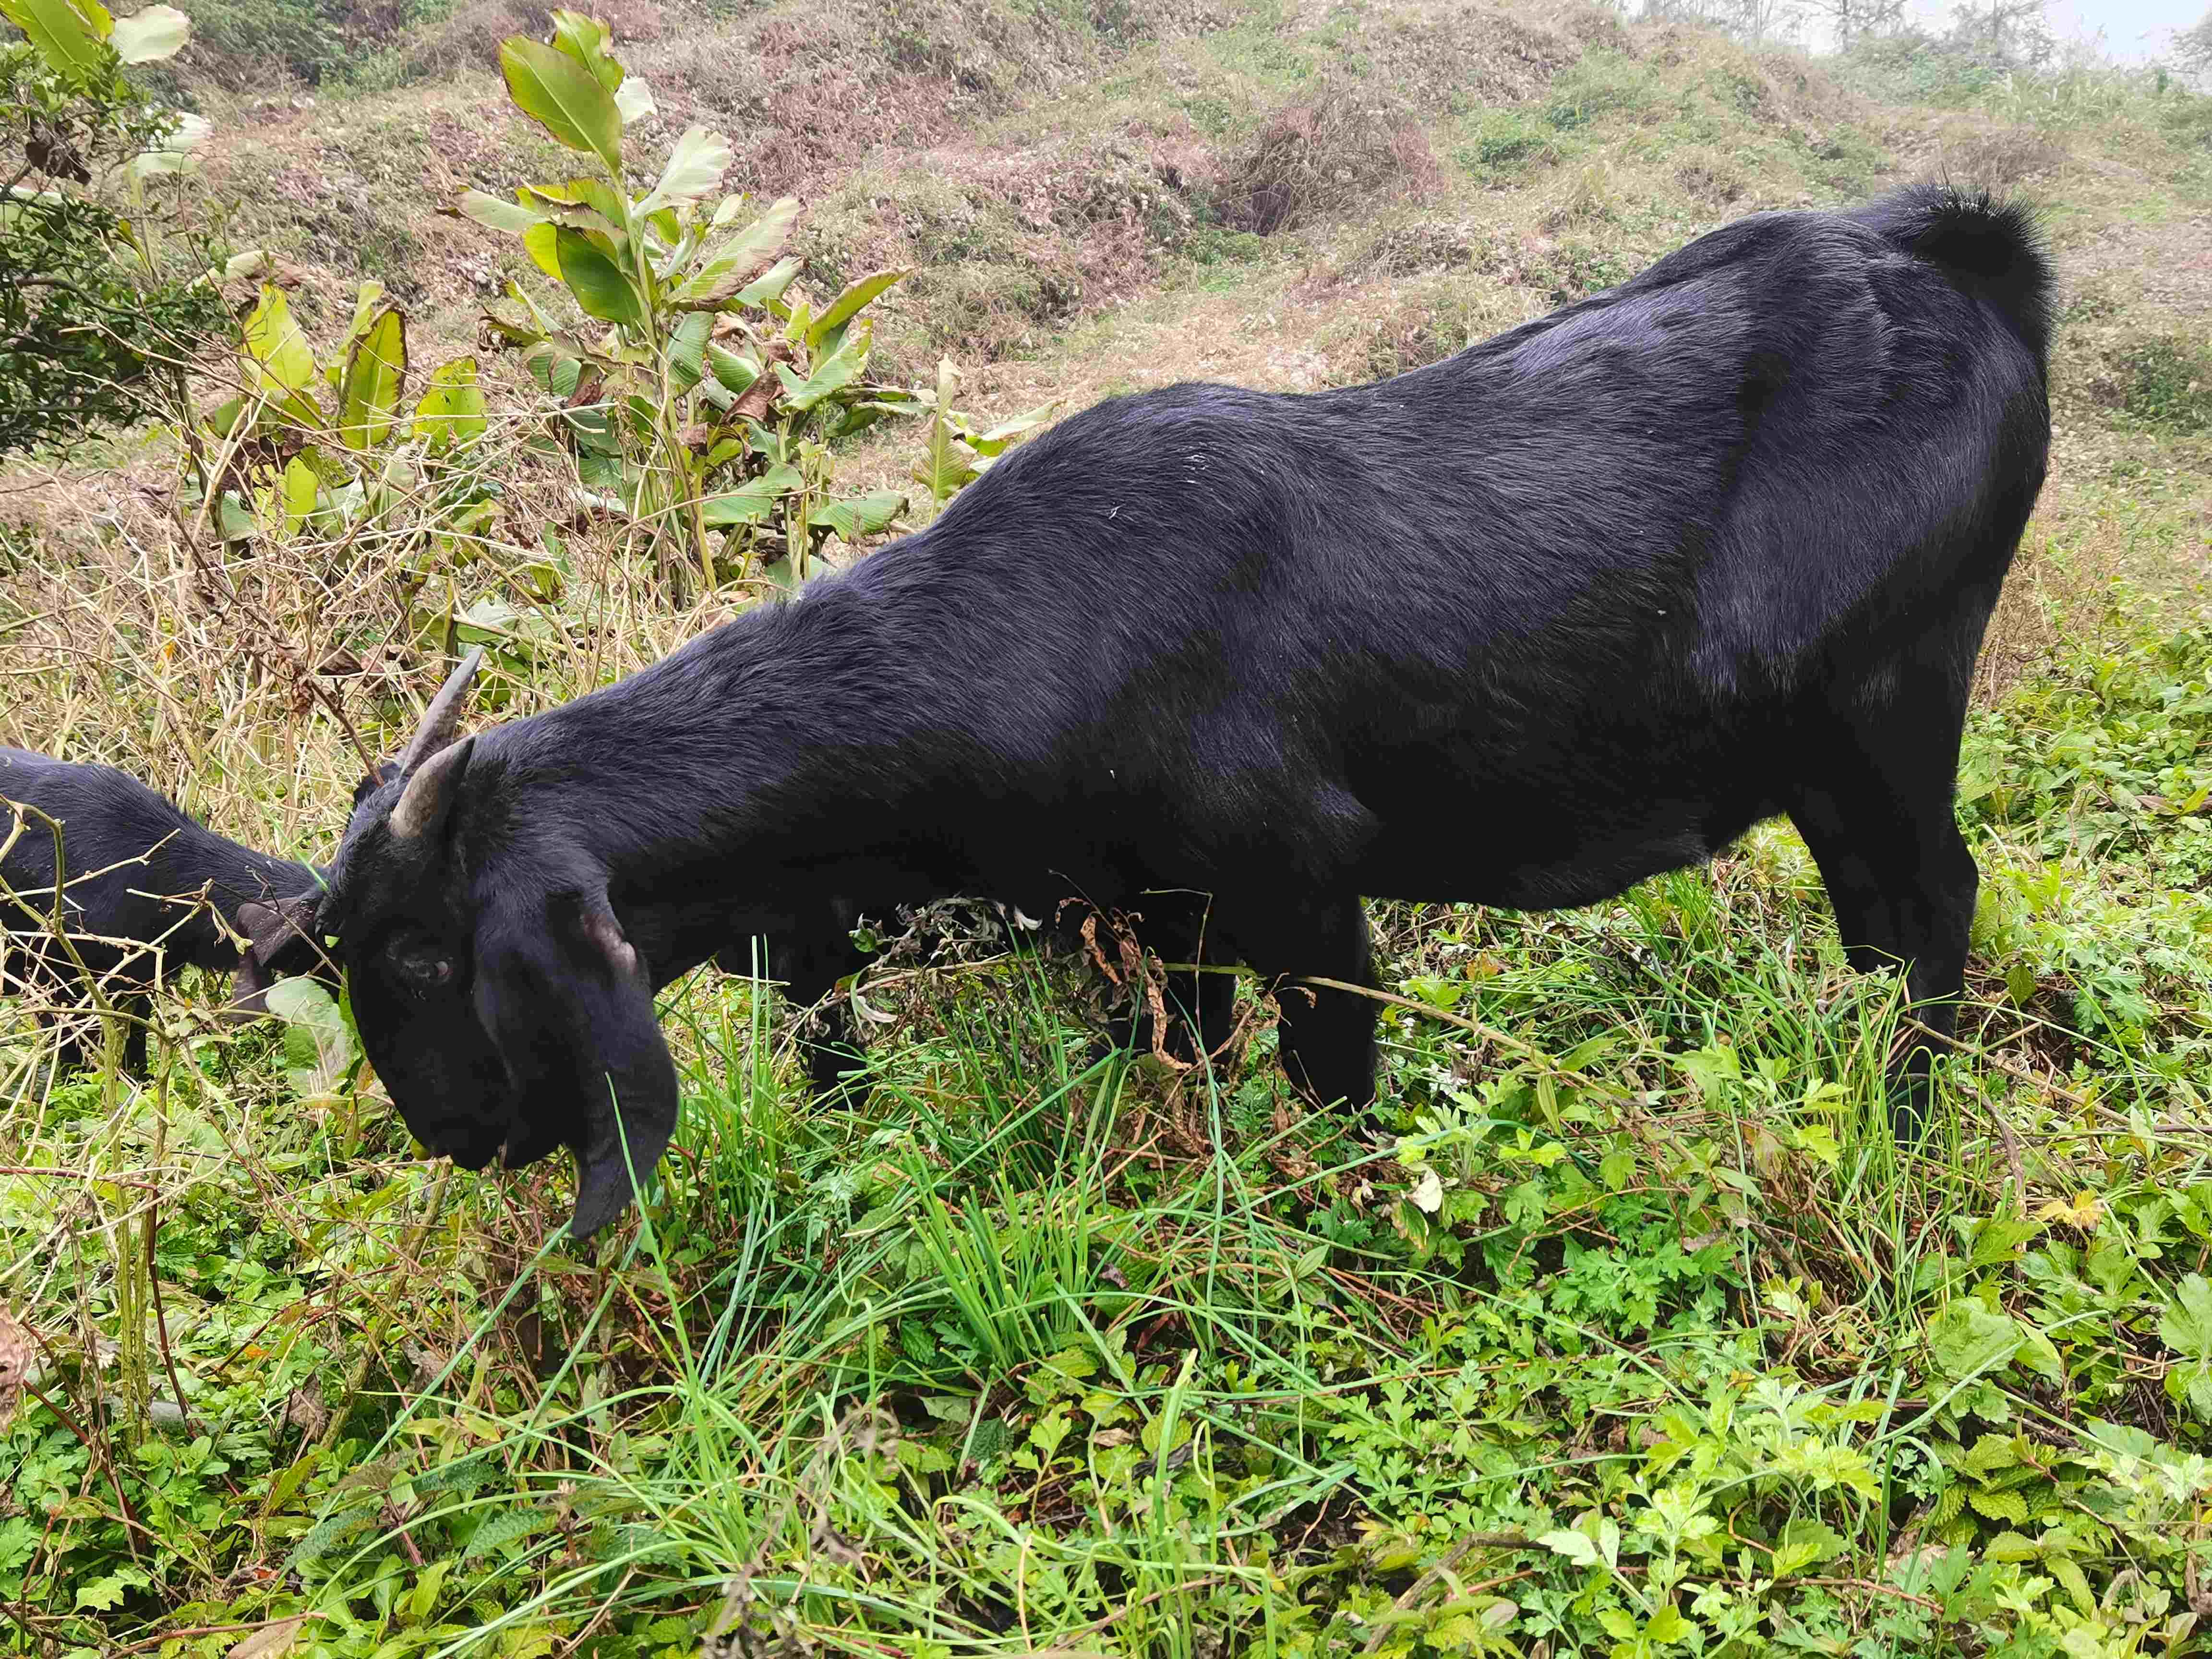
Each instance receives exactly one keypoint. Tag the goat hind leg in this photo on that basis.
(1903, 886)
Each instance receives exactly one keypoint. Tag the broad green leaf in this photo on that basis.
(1806, 1543)
(2069, 1572)
(558, 371)
(302, 484)
(1573, 1544)
(319, 1048)
(2040, 1354)
(234, 519)
(563, 97)
(859, 516)
(1970, 1337)
(366, 305)
(277, 353)
(946, 462)
(752, 501)
(741, 259)
(584, 38)
(687, 348)
(695, 167)
(734, 373)
(598, 283)
(999, 436)
(603, 200)
(496, 213)
(839, 370)
(69, 37)
(150, 36)
(1711, 1069)
(375, 375)
(106, 1593)
(539, 242)
(2185, 1326)
(768, 287)
(947, 466)
(634, 100)
(175, 152)
(224, 416)
(254, 262)
(1667, 1626)
(1820, 1140)
(847, 304)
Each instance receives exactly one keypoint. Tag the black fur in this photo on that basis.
(145, 884)
(1574, 607)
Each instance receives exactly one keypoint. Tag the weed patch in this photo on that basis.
(2163, 383)
(1599, 85)
(1507, 141)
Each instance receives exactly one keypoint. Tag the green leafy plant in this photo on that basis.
(958, 451)
(103, 289)
(706, 406)
(321, 446)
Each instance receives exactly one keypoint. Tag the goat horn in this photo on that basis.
(443, 717)
(430, 791)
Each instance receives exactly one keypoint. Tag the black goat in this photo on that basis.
(1523, 627)
(145, 889)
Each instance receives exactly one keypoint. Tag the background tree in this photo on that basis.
(2192, 48)
(103, 289)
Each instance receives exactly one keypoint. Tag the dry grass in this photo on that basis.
(1350, 143)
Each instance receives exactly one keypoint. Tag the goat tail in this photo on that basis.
(1991, 246)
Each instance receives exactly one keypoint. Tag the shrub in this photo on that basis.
(102, 287)
(703, 393)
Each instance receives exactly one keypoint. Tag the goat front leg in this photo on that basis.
(1327, 1036)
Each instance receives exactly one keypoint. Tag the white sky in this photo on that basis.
(2132, 29)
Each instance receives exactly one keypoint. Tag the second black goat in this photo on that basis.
(146, 889)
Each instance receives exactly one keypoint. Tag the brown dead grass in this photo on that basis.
(1349, 143)
(1461, 56)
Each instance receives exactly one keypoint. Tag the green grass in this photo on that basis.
(1639, 1331)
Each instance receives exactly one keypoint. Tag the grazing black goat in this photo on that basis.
(145, 891)
(1522, 628)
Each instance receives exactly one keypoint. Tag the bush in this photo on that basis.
(93, 307)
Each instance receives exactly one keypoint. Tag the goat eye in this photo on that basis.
(421, 969)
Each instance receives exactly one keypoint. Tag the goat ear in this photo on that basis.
(385, 771)
(568, 1001)
(280, 939)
